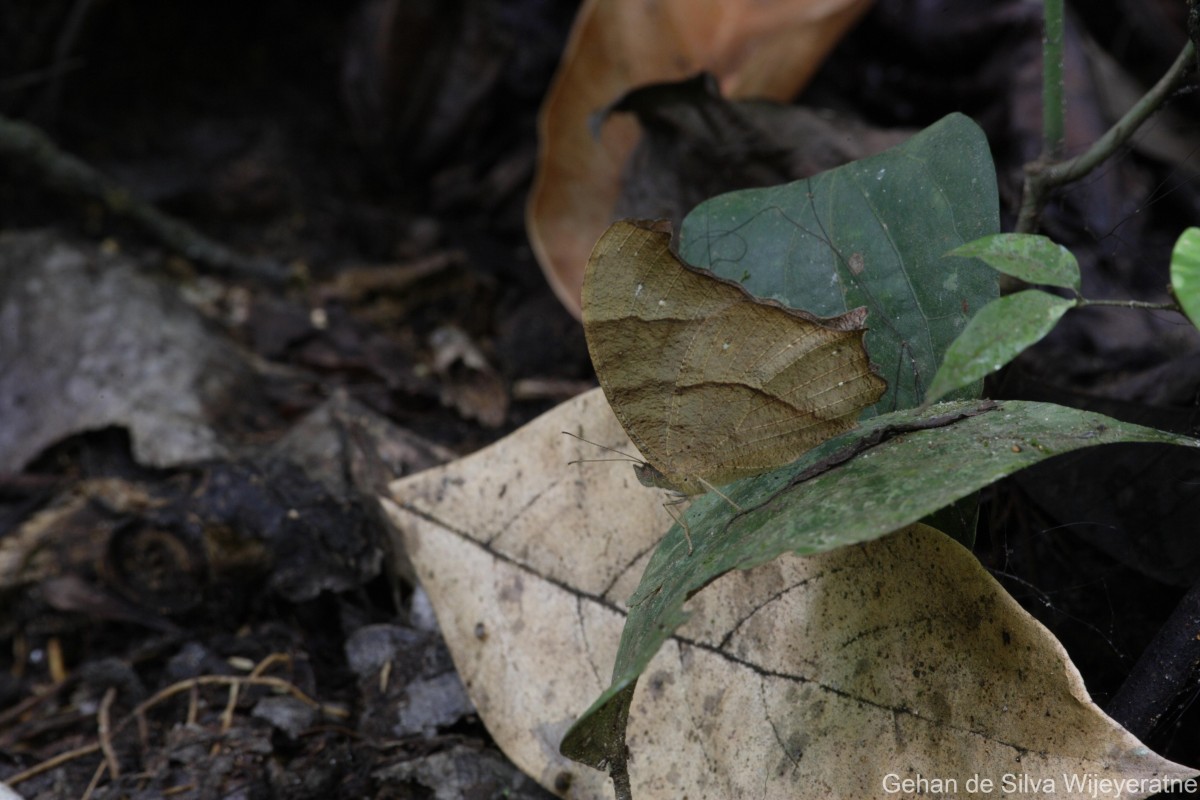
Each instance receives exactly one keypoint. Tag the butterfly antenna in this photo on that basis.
(669, 505)
(624, 456)
(623, 460)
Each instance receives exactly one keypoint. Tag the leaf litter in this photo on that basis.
(790, 664)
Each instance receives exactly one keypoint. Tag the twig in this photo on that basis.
(1193, 25)
(34, 77)
(13, 713)
(52, 762)
(227, 713)
(1041, 178)
(26, 145)
(259, 669)
(193, 712)
(62, 53)
(1169, 663)
(95, 781)
(268, 662)
(226, 680)
(104, 732)
(139, 712)
(55, 664)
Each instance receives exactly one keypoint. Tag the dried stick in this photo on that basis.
(139, 712)
(27, 146)
(104, 732)
(1167, 667)
(52, 762)
(67, 38)
(95, 781)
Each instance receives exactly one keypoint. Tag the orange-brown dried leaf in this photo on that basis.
(755, 48)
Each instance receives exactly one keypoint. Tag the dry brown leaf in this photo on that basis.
(806, 677)
(755, 49)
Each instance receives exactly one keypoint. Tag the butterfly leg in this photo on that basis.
(719, 494)
(678, 517)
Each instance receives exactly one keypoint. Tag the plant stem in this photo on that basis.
(1162, 674)
(1053, 112)
(1041, 177)
(1081, 303)
(27, 147)
(1193, 24)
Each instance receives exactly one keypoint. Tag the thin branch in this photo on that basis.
(232, 680)
(34, 77)
(1170, 663)
(1193, 25)
(1083, 302)
(62, 53)
(51, 763)
(97, 775)
(1041, 178)
(139, 712)
(104, 732)
(25, 145)
(1053, 111)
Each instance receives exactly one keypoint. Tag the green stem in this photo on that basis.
(1041, 178)
(1116, 136)
(1081, 303)
(1053, 113)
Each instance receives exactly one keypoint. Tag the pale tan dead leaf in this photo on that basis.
(755, 48)
(806, 677)
(526, 561)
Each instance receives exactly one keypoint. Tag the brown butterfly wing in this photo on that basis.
(710, 383)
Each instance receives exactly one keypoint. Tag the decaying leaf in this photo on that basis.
(468, 382)
(527, 560)
(803, 677)
(828, 676)
(87, 341)
(755, 49)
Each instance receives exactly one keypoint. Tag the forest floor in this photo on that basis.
(200, 596)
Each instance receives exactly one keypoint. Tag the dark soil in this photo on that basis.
(183, 635)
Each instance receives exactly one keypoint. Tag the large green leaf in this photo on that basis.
(892, 471)
(870, 233)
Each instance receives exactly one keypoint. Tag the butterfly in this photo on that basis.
(711, 383)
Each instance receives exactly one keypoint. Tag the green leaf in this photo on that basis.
(1033, 259)
(995, 336)
(869, 233)
(892, 471)
(1185, 273)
